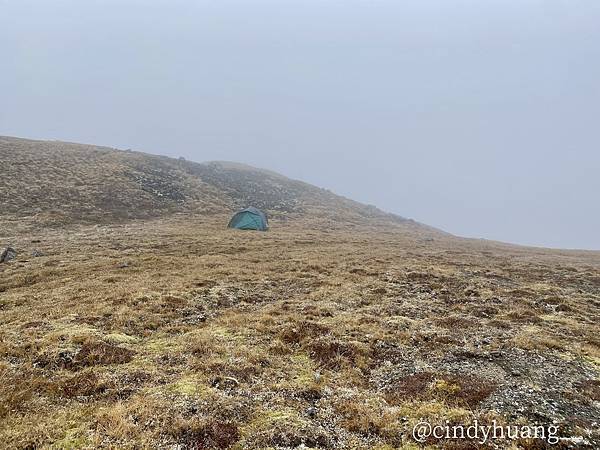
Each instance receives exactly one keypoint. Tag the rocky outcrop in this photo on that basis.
(8, 254)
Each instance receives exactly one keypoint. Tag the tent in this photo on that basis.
(249, 219)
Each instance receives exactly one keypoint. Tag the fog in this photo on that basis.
(478, 117)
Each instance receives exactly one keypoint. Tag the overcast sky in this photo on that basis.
(478, 117)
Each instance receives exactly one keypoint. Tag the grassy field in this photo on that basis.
(178, 333)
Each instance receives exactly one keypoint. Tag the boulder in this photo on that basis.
(8, 254)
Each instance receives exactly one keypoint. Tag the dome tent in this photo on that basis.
(249, 219)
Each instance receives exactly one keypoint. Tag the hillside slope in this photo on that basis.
(138, 320)
(63, 182)
(179, 333)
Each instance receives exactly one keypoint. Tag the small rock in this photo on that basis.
(36, 253)
(123, 265)
(225, 382)
(8, 254)
(311, 411)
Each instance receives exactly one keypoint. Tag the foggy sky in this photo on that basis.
(478, 117)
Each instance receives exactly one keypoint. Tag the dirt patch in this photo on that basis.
(209, 435)
(82, 385)
(461, 391)
(100, 354)
(466, 391)
(591, 389)
(332, 353)
(410, 387)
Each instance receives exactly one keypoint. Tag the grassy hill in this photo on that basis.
(132, 318)
(59, 182)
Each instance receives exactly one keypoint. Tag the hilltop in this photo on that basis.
(61, 182)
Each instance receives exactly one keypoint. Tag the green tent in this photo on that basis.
(249, 219)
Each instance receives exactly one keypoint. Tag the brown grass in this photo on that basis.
(325, 335)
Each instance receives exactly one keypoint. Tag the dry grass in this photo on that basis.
(174, 331)
(211, 338)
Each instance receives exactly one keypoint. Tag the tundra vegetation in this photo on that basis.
(147, 324)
